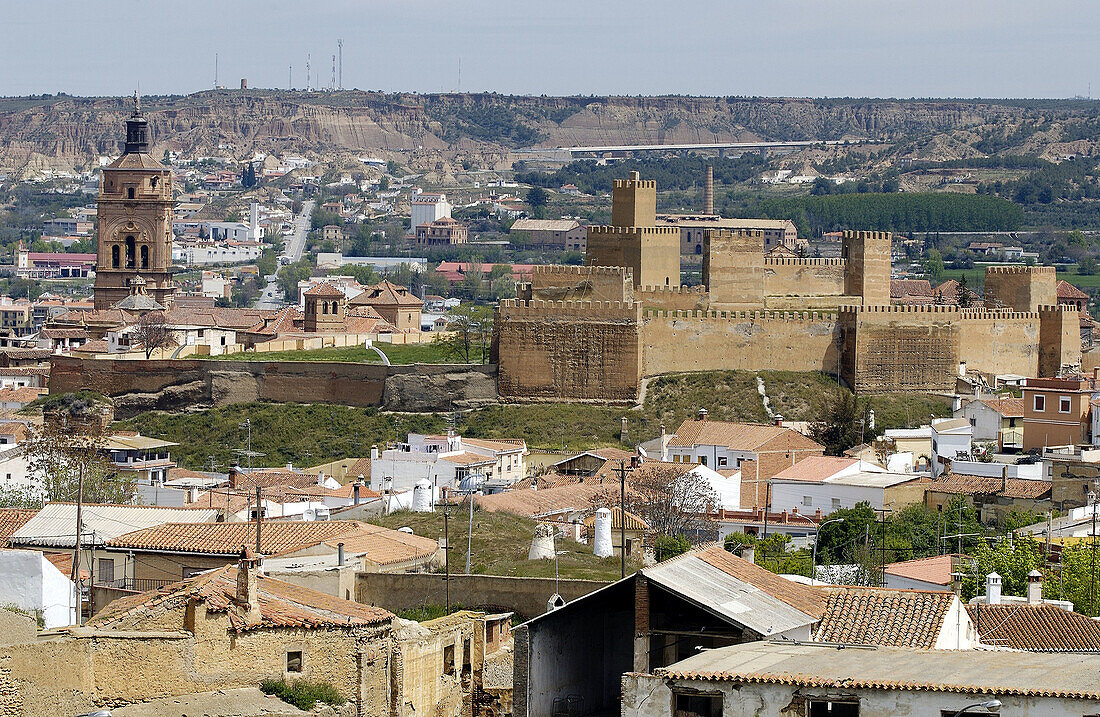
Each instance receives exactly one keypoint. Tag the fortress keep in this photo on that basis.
(593, 332)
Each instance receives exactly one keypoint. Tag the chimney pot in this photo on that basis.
(702, 414)
(340, 554)
(993, 589)
(748, 552)
(1034, 588)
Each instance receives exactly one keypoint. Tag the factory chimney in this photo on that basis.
(708, 191)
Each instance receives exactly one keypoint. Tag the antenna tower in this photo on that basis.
(340, 51)
(309, 88)
(332, 82)
(215, 70)
(290, 78)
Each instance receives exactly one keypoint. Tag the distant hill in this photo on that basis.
(63, 132)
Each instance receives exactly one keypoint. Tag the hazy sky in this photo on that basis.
(879, 48)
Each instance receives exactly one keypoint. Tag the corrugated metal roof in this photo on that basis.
(55, 524)
(716, 590)
(990, 672)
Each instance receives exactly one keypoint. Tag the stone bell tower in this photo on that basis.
(134, 221)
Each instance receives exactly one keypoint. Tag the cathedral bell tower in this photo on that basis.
(134, 211)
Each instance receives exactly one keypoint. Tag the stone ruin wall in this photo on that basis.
(568, 350)
(787, 276)
(745, 340)
(578, 283)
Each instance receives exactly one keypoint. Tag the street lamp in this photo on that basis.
(813, 554)
(992, 705)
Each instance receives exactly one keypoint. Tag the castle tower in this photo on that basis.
(325, 309)
(634, 240)
(134, 221)
(867, 274)
(1020, 288)
(708, 191)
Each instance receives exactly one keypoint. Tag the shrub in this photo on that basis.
(669, 546)
(301, 693)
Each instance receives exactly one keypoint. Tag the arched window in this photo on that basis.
(144, 256)
(129, 192)
(153, 181)
(114, 256)
(130, 251)
(698, 248)
(324, 307)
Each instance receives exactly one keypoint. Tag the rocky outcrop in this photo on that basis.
(458, 390)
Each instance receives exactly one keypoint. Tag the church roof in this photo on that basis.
(139, 302)
(137, 160)
(387, 294)
(325, 289)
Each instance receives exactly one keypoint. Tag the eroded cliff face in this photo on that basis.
(66, 132)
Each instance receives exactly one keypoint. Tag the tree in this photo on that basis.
(669, 546)
(538, 199)
(965, 297)
(66, 456)
(1012, 558)
(467, 335)
(248, 177)
(289, 276)
(1087, 266)
(296, 206)
(153, 333)
(839, 428)
(933, 264)
(840, 542)
(672, 500)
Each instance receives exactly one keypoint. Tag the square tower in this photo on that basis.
(634, 240)
(134, 211)
(867, 273)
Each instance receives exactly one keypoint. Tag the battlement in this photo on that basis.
(613, 230)
(723, 232)
(579, 310)
(677, 290)
(755, 316)
(1019, 270)
(867, 235)
(901, 309)
(572, 270)
(799, 261)
(639, 183)
(1054, 309)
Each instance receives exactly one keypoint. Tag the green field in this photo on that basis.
(500, 545)
(316, 433)
(976, 278)
(431, 352)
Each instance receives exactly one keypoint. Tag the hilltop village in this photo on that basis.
(670, 463)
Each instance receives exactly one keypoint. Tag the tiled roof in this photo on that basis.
(815, 468)
(467, 458)
(11, 520)
(902, 288)
(547, 480)
(282, 322)
(804, 598)
(281, 604)
(25, 394)
(386, 293)
(499, 446)
(1008, 407)
(276, 536)
(325, 289)
(383, 546)
(633, 522)
(740, 436)
(985, 485)
(1067, 290)
(1034, 627)
(893, 618)
(969, 672)
(267, 477)
(527, 502)
(936, 569)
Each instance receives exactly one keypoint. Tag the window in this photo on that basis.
(130, 248)
(1040, 403)
(129, 195)
(702, 461)
(114, 257)
(836, 504)
(1063, 404)
(153, 182)
(721, 463)
(807, 500)
(694, 705)
(294, 661)
(144, 256)
(449, 660)
(106, 570)
(973, 422)
(824, 708)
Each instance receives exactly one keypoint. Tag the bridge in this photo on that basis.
(566, 153)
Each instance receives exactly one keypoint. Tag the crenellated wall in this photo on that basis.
(747, 340)
(1020, 288)
(577, 283)
(674, 298)
(572, 350)
(793, 277)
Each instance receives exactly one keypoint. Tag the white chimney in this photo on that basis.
(373, 455)
(993, 589)
(962, 369)
(748, 552)
(1035, 588)
(601, 541)
(254, 221)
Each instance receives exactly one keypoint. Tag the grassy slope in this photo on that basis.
(500, 545)
(310, 434)
(397, 354)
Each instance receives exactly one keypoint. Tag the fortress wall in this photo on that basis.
(901, 348)
(674, 298)
(1059, 339)
(566, 350)
(1000, 342)
(733, 267)
(1021, 288)
(574, 283)
(802, 277)
(747, 340)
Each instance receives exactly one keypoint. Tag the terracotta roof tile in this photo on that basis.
(383, 546)
(386, 293)
(741, 436)
(276, 536)
(1008, 407)
(633, 522)
(12, 519)
(957, 483)
(893, 618)
(281, 604)
(1034, 627)
(936, 569)
(324, 289)
(904, 288)
(815, 468)
(1067, 290)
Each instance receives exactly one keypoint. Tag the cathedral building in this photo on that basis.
(135, 208)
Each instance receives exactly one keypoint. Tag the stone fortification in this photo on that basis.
(576, 350)
(578, 283)
(792, 277)
(634, 240)
(749, 340)
(1020, 288)
(868, 271)
(674, 298)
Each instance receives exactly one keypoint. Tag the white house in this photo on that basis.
(427, 208)
(449, 461)
(32, 583)
(951, 440)
(828, 484)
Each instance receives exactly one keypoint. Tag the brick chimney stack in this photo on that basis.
(708, 191)
(246, 601)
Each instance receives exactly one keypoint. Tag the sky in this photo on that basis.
(806, 48)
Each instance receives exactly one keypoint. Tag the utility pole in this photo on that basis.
(308, 66)
(622, 519)
(447, 555)
(340, 51)
(470, 534)
(1093, 499)
(259, 517)
(79, 535)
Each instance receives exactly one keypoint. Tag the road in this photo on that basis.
(293, 247)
